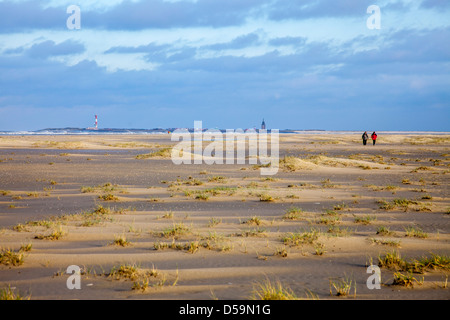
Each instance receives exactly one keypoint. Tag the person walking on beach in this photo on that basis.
(365, 137)
(374, 137)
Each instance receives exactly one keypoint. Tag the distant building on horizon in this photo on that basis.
(263, 125)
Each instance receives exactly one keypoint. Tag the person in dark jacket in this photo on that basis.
(374, 137)
(365, 137)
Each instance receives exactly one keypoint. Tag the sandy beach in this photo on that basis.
(140, 227)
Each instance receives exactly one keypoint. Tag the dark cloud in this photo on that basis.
(128, 15)
(408, 47)
(14, 50)
(404, 77)
(159, 14)
(50, 48)
(306, 9)
(162, 14)
(288, 41)
(240, 42)
(171, 53)
(232, 92)
(149, 48)
(28, 15)
(157, 53)
(438, 4)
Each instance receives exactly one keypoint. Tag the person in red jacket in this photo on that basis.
(374, 137)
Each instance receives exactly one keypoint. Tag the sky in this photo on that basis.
(298, 64)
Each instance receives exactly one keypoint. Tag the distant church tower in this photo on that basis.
(263, 125)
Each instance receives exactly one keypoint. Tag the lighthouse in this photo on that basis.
(96, 124)
(263, 125)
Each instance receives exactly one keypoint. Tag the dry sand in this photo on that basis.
(202, 232)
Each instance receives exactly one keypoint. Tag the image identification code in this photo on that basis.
(227, 309)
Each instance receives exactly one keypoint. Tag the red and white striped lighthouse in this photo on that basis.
(96, 122)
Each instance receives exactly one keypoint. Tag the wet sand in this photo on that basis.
(219, 231)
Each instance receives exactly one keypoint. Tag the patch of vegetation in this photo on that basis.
(319, 249)
(402, 202)
(399, 203)
(121, 240)
(126, 271)
(221, 190)
(390, 243)
(293, 213)
(161, 153)
(214, 222)
(253, 220)
(415, 232)
(339, 207)
(9, 293)
(299, 238)
(266, 198)
(329, 220)
(56, 234)
(290, 163)
(220, 179)
(256, 232)
(405, 280)
(176, 230)
(87, 189)
(406, 181)
(202, 196)
(108, 197)
(341, 286)
(385, 205)
(365, 220)
(339, 231)
(190, 247)
(384, 231)
(104, 188)
(193, 182)
(281, 252)
(421, 168)
(269, 291)
(11, 257)
(393, 260)
(327, 184)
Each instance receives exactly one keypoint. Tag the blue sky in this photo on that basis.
(230, 63)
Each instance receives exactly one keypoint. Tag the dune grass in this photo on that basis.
(108, 197)
(121, 240)
(415, 232)
(161, 153)
(384, 231)
(367, 219)
(176, 230)
(56, 234)
(342, 286)
(293, 213)
(299, 238)
(267, 290)
(11, 257)
(264, 197)
(393, 260)
(405, 280)
(255, 220)
(9, 293)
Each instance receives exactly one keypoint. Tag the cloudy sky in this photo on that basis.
(303, 64)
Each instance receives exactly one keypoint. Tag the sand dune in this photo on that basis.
(140, 227)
